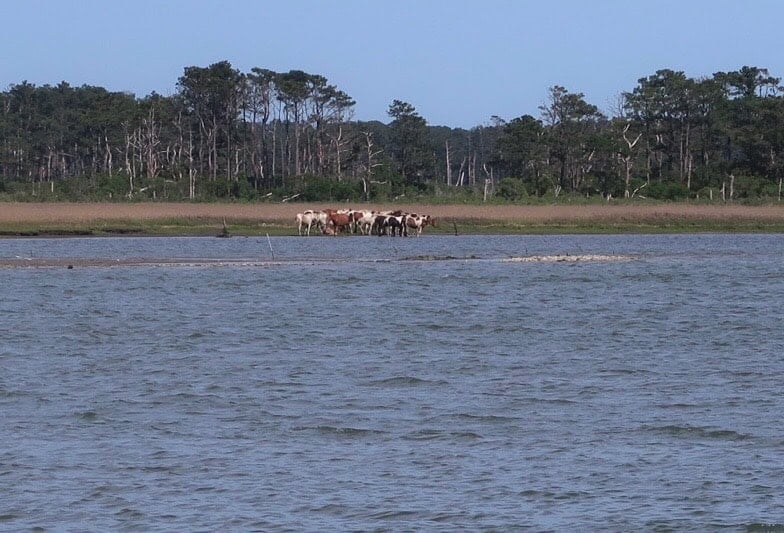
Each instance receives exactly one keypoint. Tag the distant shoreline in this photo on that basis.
(106, 219)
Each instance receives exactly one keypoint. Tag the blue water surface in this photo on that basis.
(365, 383)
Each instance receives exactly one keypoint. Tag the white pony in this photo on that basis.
(307, 219)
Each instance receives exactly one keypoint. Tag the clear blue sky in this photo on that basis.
(458, 62)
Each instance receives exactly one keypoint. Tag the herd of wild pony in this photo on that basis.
(334, 222)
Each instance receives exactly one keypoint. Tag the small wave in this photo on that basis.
(439, 434)
(549, 401)
(426, 434)
(12, 393)
(211, 489)
(101, 490)
(468, 435)
(158, 469)
(767, 527)
(623, 371)
(201, 334)
(573, 495)
(533, 493)
(331, 508)
(87, 416)
(282, 386)
(438, 327)
(680, 405)
(393, 514)
(550, 495)
(341, 431)
(495, 419)
(398, 381)
(448, 517)
(697, 432)
(129, 513)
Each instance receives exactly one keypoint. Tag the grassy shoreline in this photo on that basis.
(161, 219)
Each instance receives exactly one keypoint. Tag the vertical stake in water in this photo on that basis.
(269, 242)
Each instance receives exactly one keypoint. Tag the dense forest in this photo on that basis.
(260, 135)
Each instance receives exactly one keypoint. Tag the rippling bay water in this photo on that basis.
(331, 392)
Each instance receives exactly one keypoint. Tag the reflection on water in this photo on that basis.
(338, 390)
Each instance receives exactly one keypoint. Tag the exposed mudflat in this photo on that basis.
(53, 262)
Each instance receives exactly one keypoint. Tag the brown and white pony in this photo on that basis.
(418, 222)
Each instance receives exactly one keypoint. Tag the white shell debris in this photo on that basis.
(566, 258)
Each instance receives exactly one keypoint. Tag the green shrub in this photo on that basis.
(219, 188)
(705, 193)
(749, 186)
(606, 183)
(381, 192)
(512, 189)
(667, 190)
(770, 190)
(318, 189)
(112, 187)
(244, 190)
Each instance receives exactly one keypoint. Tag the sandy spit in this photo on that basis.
(566, 258)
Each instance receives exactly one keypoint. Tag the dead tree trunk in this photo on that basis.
(732, 186)
(191, 168)
(461, 173)
(448, 166)
(489, 182)
(628, 158)
(371, 155)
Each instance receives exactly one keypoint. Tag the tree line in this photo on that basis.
(291, 136)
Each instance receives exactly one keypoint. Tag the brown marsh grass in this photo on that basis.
(44, 215)
(85, 212)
